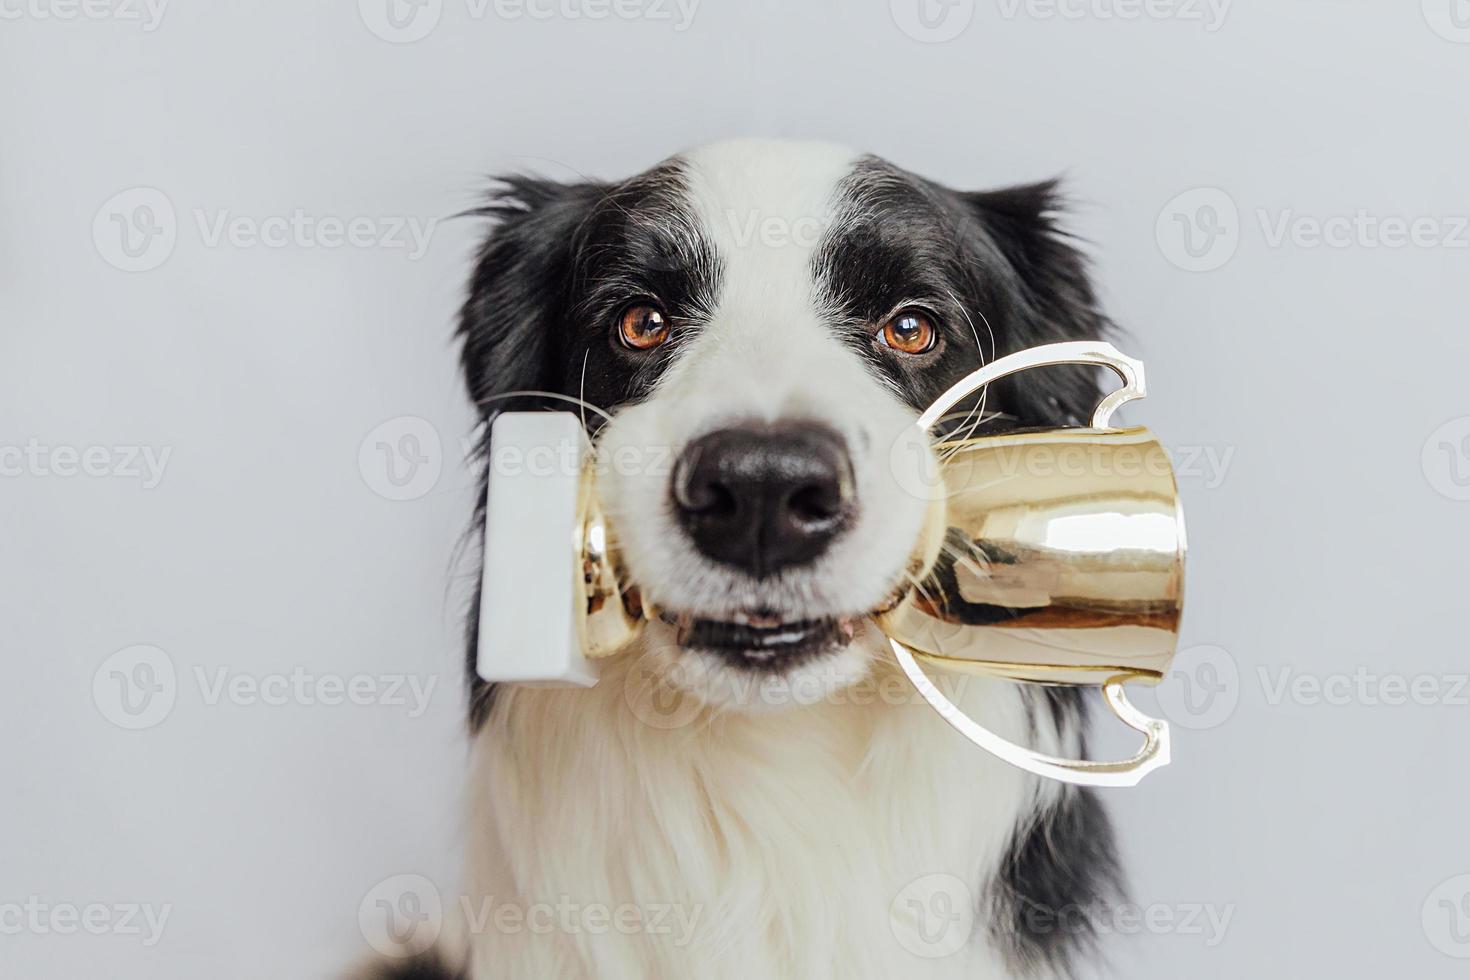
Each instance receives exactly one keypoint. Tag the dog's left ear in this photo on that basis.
(1056, 300)
(513, 318)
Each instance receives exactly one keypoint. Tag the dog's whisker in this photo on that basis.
(582, 389)
(540, 393)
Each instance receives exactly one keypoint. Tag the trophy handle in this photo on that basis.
(1155, 751)
(1125, 772)
(1101, 353)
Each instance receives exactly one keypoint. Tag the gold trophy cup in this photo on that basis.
(1062, 562)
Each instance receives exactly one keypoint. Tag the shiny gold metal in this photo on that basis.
(609, 615)
(1063, 561)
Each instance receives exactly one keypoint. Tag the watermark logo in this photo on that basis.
(918, 471)
(402, 458)
(401, 916)
(1199, 230)
(1446, 459)
(400, 21)
(932, 21)
(136, 687)
(933, 916)
(1446, 917)
(1202, 688)
(1450, 19)
(653, 699)
(135, 230)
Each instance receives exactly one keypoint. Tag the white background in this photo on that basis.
(1333, 539)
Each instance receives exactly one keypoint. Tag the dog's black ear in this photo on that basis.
(517, 294)
(1056, 300)
(511, 324)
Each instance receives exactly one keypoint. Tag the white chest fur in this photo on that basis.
(624, 838)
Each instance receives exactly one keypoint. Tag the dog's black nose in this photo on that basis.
(764, 498)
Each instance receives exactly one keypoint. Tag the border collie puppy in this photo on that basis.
(751, 791)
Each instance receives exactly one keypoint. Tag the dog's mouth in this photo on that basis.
(764, 641)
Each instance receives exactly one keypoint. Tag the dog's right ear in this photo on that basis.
(511, 323)
(511, 327)
(1057, 301)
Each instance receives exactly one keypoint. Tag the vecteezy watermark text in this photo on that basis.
(660, 688)
(937, 21)
(299, 229)
(407, 21)
(137, 687)
(1205, 685)
(1363, 686)
(37, 459)
(302, 687)
(38, 917)
(137, 230)
(403, 914)
(569, 917)
(1363, 229)
(147, 13)
(1201, 229)
(1209, 13)
(934, 916)
(1205, 920)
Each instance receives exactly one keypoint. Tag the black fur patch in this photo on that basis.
(1060, 871)
(426, 967)
(994, 269)
(561, 263)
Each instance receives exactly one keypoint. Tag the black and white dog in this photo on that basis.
(775, 314)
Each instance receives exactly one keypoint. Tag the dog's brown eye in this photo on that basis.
(910, 332)
(643, 327)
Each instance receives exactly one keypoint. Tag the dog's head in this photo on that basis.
(761, 322)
